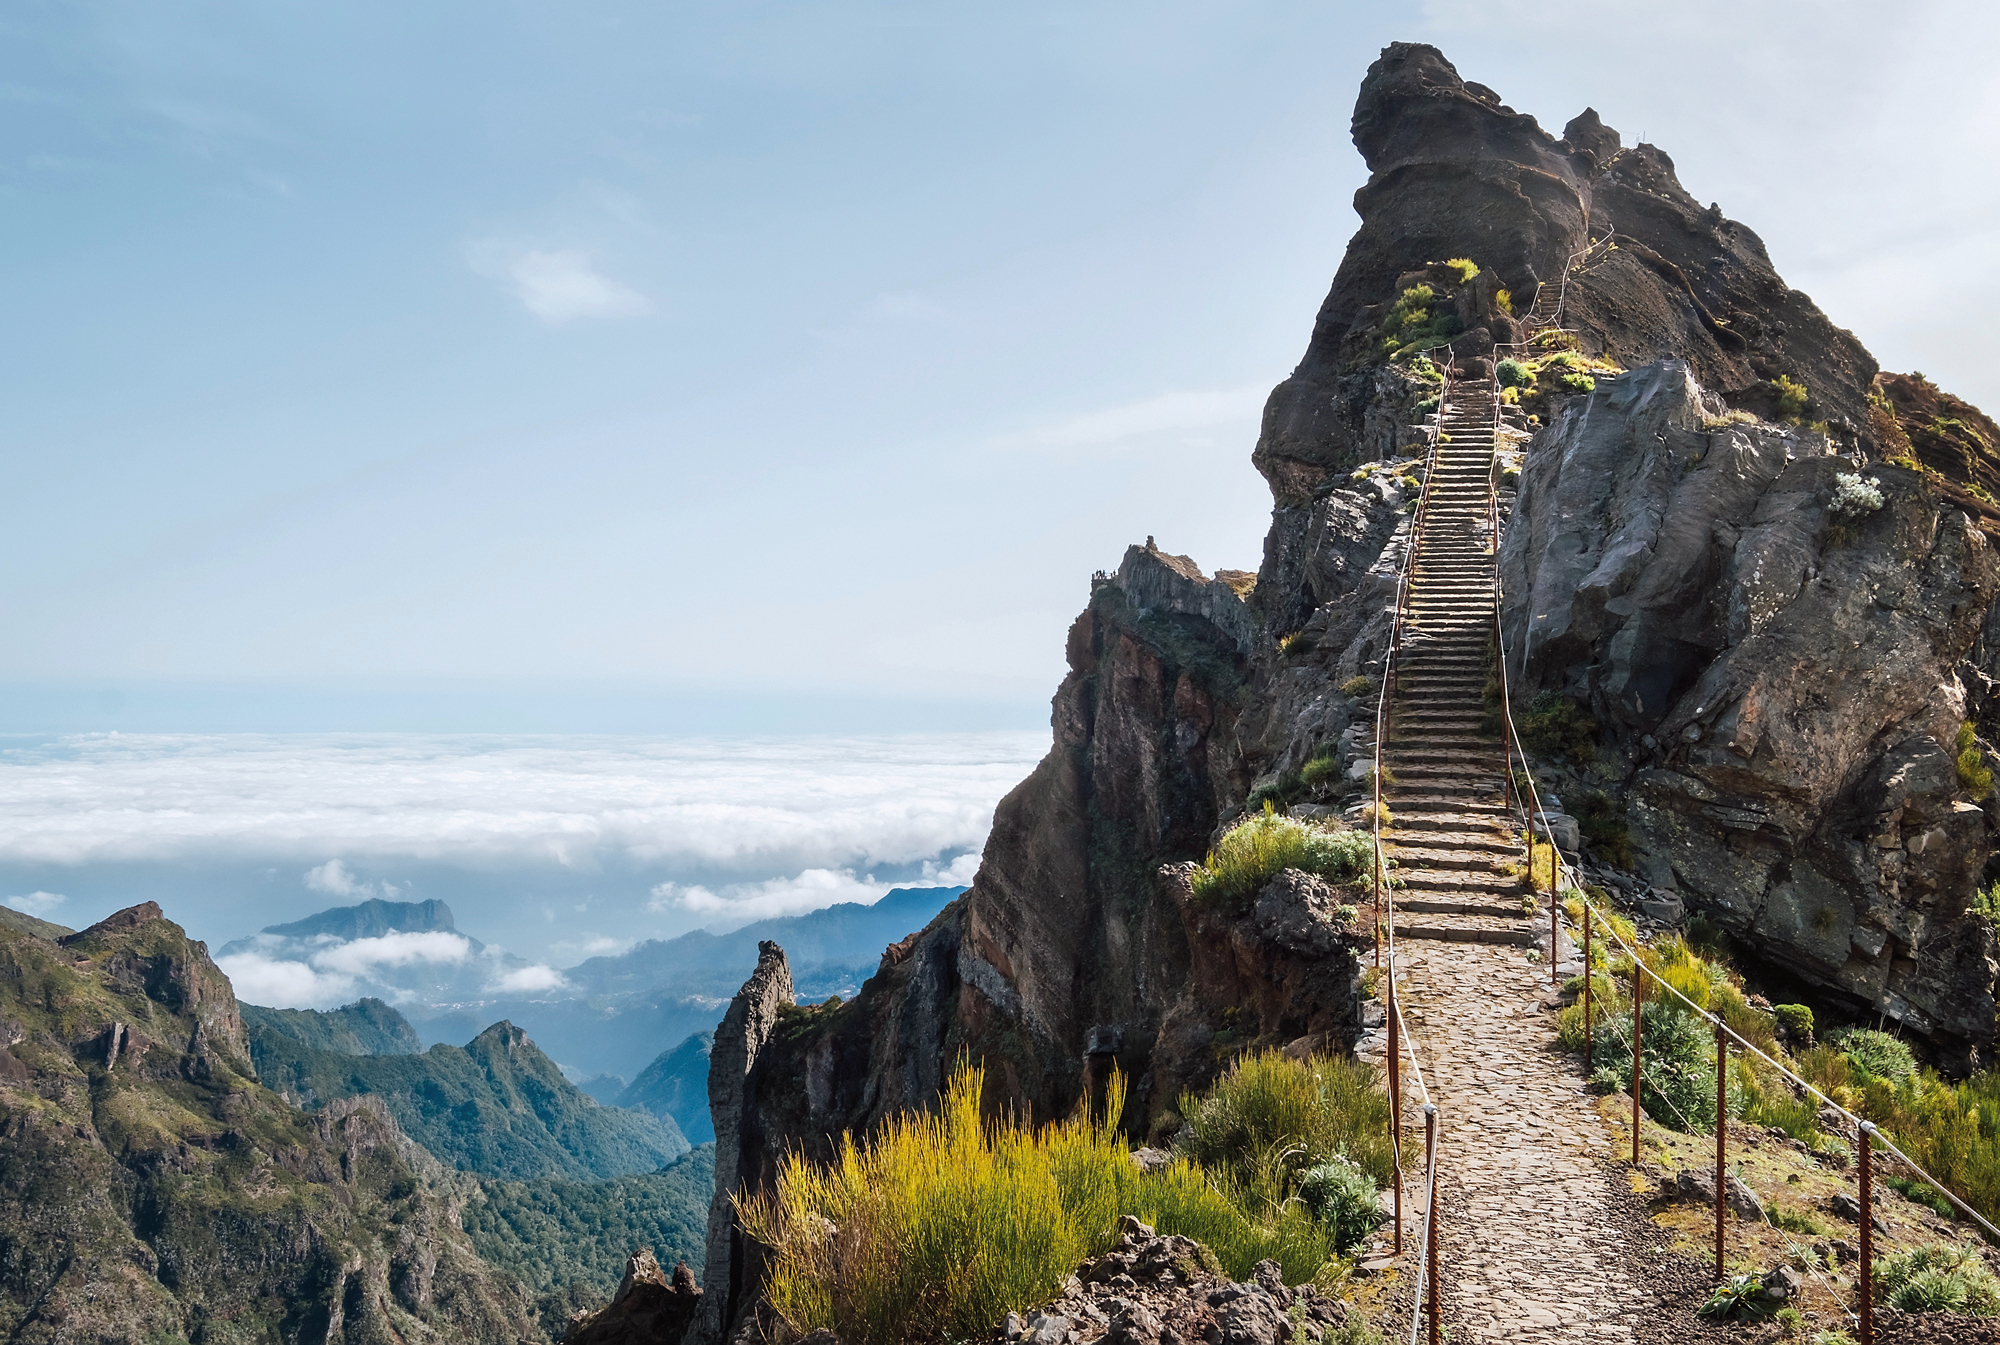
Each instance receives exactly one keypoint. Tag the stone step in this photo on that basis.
(1480, 839)
(1439, 859)
(1400, 799)
(1456, 821)
(1449, 779)
(1465, 929)
(1429, 905)
(1461, 885)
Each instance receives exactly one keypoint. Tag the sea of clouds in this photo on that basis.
(586, 843)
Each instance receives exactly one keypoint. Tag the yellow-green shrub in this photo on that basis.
(1256, 850)
(941, 1224)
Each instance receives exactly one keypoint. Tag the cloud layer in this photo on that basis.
(747, 808)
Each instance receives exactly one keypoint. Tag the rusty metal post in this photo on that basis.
(1553, 980)
(1396, 1103)
(1638, 998)
(1431, 1209)
(1864, 1142)
(1588, 1059)
(1721, 1138)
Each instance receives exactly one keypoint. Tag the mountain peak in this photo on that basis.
(371, 920)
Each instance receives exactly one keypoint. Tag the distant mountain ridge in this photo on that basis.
(370, 920)
(365, 1027)
(497, 1106)
(830, 944)
(676, 1085)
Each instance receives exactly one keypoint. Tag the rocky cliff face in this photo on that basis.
(1775, 680)
(1778, 678)
(151, 1189)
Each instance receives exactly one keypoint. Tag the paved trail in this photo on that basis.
(1535, 1240)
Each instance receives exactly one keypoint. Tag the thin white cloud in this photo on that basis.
(283, 983)
(334, 879)
(809, 891)
(1180, 413)
(565, 285)
(36, 903)
(359, 957)
(529, 980)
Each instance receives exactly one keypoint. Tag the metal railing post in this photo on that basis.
(1431, 1211)
(1864, 1141)
(1721, 1138)
(1588, 1058)
(1396, 1103)
(1554, 980)
(1638, 998)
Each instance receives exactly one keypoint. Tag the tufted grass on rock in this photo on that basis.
(1261, 847)
(1973, 774)
(940, 1224)
(1938, 1279)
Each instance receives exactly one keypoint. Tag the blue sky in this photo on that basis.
(535, 365)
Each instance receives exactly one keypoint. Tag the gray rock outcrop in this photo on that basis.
(1780, 680)
(741, 1161)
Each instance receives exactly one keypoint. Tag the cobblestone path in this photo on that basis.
(1537, 1243)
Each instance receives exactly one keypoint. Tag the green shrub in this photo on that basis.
(1259, 848)
(1986, 903)
(939, 1224)
(1271, 1119)
(1421, 369)
(1465, 269)
(1514, 374)
(1938, 1279)
(1973, 774)
(1297, 644)
(1321, 770)
(1980, 493)
(1739, 1296)
(1677, 1079)
(1556, 726)
(1342, 1197)
(1797, 1022)
(1358, 688)
(1412, 325)
(1922, 1194)
(1876, 1054)
(1579, 382)
(1792, 399)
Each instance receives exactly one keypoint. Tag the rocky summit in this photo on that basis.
(1749, 619)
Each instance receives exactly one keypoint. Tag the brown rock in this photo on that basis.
(648, 1309)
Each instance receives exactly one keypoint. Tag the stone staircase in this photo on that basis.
(1450, 833)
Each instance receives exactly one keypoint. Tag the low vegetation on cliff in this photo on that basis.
(1951, 1129)
(1258, 849)
(939, 1224)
